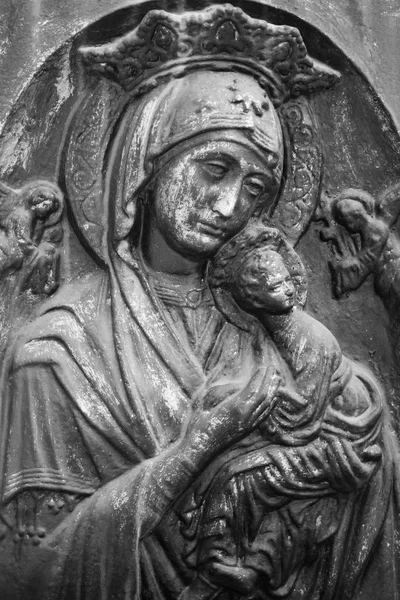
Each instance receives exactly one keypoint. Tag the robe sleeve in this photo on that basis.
(97, 548)
(313, 356)
(341, 398)
(47, 459)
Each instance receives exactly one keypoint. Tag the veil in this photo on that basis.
(105, 113)
(129, 82)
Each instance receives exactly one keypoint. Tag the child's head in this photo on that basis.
(263, 282)
(254, 273)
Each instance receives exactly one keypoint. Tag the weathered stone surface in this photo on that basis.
(200, 396)
(367, 31)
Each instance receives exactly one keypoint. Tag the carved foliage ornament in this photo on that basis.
(303, 170)
(165, 45)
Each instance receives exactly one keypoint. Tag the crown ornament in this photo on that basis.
(221, 37)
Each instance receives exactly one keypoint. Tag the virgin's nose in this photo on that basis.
(226, 201)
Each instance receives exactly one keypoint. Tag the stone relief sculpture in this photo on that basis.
(361, 231)
(30, 237)
(25, 223)
(190, 431)
(328, 397)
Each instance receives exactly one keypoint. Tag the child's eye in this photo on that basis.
(275, 287)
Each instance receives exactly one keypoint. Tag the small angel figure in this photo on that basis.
(31, 233)
(264, 277)
(360, 229)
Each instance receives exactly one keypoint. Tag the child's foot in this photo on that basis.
(239, 579)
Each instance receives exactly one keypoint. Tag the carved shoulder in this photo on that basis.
(76, 312)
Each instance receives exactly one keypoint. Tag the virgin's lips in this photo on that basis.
(211, 228)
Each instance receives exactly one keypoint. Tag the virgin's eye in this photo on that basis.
(254, 186)
(214, 168)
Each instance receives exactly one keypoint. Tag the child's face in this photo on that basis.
(268, 282)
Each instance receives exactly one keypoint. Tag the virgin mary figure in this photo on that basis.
(109, 386)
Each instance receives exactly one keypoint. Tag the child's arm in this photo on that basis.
(313, 356)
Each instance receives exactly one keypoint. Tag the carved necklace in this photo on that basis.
(189, 291)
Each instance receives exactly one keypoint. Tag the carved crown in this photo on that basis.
(166, 45)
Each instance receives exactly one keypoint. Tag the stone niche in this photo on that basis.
(171, 175)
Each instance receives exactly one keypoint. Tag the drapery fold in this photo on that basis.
(68, 374)
(100, 389)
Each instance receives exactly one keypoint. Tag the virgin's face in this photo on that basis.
(206, 195)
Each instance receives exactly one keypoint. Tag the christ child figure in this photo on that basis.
(265, 278)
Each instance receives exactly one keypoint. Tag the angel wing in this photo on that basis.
(30, 239)
(388, 205)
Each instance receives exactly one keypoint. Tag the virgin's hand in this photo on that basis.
(217, 426)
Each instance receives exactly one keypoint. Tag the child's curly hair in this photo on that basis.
(224, 270)
(230, 258)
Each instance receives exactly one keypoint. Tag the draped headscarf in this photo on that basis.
(199, 107)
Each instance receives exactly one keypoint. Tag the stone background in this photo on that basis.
(368, 31)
